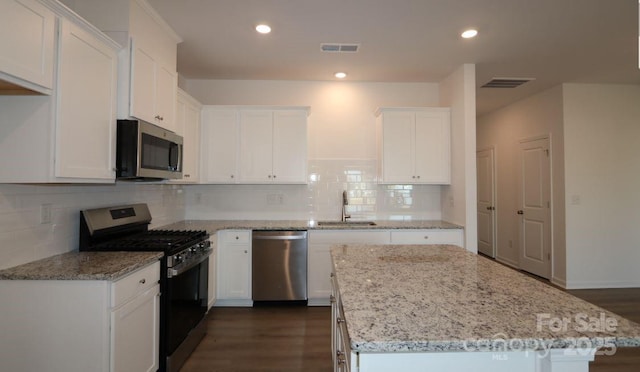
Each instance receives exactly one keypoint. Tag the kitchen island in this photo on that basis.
(441, 308)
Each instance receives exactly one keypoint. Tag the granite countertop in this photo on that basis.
(212, 226)
(82, 266)
(427, 298)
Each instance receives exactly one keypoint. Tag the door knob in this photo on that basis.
(520, 211)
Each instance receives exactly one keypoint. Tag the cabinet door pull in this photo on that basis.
(426, 236)
(143, 280)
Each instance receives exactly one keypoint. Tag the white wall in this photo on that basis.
(459, 200)
(23, 238)
(602, 183)
(503, 129)
(342, 152)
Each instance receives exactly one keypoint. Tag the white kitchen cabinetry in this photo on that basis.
(212, 275)
(188, 126)
(340, 343)
(147, 82)
(69, 136)
(254, 145)
(428, 236)
(319, 265)
(234, 268)
(414, 145)
(273, 146)
(81, 325)
(219, 131)
(26, 46)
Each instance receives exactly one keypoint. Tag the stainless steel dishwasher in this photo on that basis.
(279, 266)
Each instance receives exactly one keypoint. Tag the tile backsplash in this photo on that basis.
(319, 200)
(24, 238)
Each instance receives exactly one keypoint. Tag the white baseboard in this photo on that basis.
(233, 303)
(601, 284)
(318, 302)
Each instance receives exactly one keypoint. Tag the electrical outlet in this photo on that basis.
(45, 213)
(275, 199)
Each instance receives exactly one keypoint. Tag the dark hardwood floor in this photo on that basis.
(626, 303)
(283, 339)
(299, 338)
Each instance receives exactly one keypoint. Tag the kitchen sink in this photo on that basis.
(346, 223)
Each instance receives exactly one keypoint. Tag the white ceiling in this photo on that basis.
(553, 41)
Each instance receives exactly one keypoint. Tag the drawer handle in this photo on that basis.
(143, 280)
(426, 237)
(339, 320)
(237, 237)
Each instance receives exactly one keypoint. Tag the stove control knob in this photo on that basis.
(193, 249)
(177, 258)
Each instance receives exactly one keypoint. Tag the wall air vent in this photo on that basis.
(339, 48)
(506, 82)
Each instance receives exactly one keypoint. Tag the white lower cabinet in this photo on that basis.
(81, 325)
(234, 268)
(319, 258)
(213, 280)
(428, 236)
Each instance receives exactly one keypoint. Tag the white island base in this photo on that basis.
(555, 360)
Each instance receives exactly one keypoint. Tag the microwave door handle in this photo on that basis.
(172, 149)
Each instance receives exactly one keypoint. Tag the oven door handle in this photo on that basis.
(175, 271)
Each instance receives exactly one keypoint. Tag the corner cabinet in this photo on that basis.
(26, 47)
(254, 145)
(68, 136)
(82, 325)
(414, 145)
(188, 126)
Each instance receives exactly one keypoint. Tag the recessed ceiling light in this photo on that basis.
(468, 34)
(340, 75)
(263, 29)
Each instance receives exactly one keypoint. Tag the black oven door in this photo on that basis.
(186, 303)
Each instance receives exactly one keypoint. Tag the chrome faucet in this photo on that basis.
(345, 202)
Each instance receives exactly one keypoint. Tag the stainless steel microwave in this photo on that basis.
(147, 152)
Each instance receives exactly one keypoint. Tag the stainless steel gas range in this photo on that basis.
(183, 277)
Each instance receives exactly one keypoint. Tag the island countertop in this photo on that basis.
(430, 298)
(82, 266)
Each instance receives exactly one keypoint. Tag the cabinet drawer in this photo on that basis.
(449, 236)
(238, 237)
(134, 284)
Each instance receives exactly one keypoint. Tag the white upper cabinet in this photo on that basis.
(154, 81)
(26, 46)
(414, 145)
(273, 146)
(188, 126)
(254, 145)
(86, 115)
(219, 133)
(68, 136)
(147, 82)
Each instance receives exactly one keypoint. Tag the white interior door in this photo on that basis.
(535, 203)
(485, 165)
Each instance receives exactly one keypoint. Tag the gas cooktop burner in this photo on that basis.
(167, 241)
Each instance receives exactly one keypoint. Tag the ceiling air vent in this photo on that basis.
(506, 82)
(339, 48)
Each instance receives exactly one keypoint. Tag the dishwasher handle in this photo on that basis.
(279, 237)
